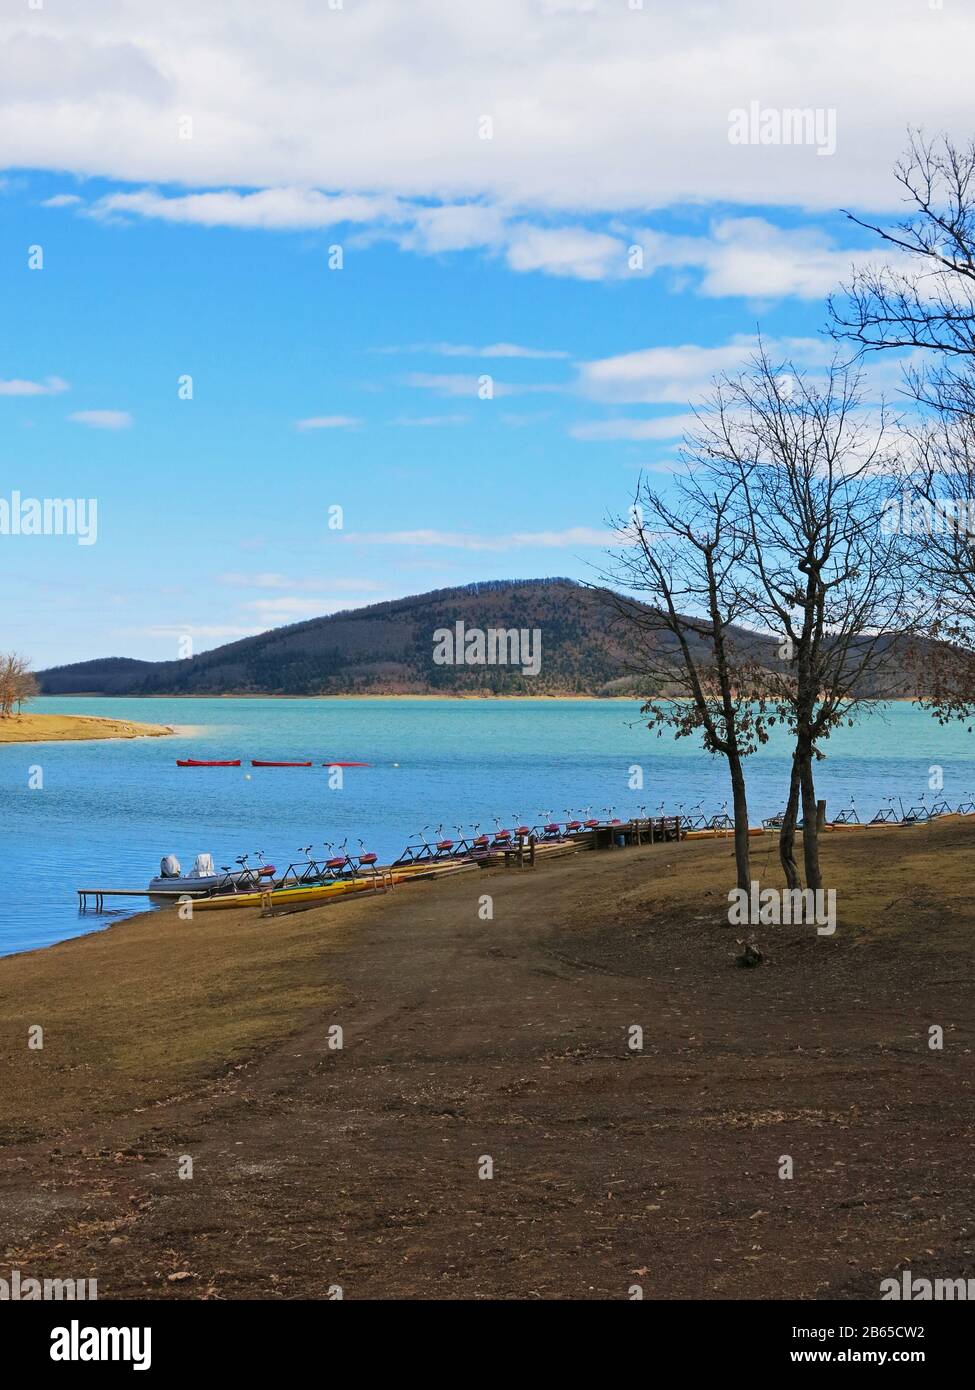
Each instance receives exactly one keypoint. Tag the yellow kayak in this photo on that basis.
(321, 892)
(312, 893)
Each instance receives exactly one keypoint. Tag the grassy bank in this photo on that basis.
(63, 728)
(147, 1008)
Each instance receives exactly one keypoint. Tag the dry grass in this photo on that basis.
(507, 1037)
(63, 728)
(152, 1005)
(147, 1007)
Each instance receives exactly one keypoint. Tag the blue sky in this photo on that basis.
(358, 387)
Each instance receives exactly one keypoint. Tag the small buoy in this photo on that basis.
(247, 777)
(395, 764)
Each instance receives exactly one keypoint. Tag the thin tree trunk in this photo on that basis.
(787, 834)
(742, 848)
(810, 824)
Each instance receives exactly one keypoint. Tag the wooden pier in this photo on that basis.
(647, 831)
(100, 894)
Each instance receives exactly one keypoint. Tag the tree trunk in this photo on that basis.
(742, 848)
(810, 825)
(787, 834)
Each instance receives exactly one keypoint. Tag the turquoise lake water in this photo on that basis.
(109, 810)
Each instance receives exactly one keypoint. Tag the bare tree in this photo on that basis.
(811, 471)
(17, 683)
(926, 300)
(936, 514)
(27, 688)
(684, 560)
(924, 296)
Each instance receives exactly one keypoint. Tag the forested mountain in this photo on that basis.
(388, 648)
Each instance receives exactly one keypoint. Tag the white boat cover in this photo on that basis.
(169, 866)
(202, 867)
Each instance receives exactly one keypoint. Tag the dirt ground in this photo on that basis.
(506, 1040)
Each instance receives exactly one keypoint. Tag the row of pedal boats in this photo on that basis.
(311, 882)
(343, 873)
(310, 879)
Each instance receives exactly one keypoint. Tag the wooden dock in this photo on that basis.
(100, 894)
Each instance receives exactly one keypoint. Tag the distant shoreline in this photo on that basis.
(465, 695)
(362, 695)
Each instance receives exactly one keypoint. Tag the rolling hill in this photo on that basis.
(388, 648)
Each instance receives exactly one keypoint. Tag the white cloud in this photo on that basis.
(62, 200)
(661, 427)
(569, 251)
(328, 422)
(452, 227)
(271, 209)
(746, 256)
(752, 257)
(594, 106)
(50, 386)
(102, 419)
(683, 374)
(491, 350)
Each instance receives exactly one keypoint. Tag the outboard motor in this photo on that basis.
(169, 866)
(203, 866)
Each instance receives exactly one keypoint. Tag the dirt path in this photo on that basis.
(507, 1039)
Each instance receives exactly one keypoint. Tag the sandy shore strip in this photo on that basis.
(359, 1165)
(65, 728)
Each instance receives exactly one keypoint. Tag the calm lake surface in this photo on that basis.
(109, 810)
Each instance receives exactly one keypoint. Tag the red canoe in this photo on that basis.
(195, 762)
(346, 764)
(255, 762)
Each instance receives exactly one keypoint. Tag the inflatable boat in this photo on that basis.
(203, 877)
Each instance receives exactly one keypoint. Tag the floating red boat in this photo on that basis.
(196, 762)
(255, 762)
(346, 764)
